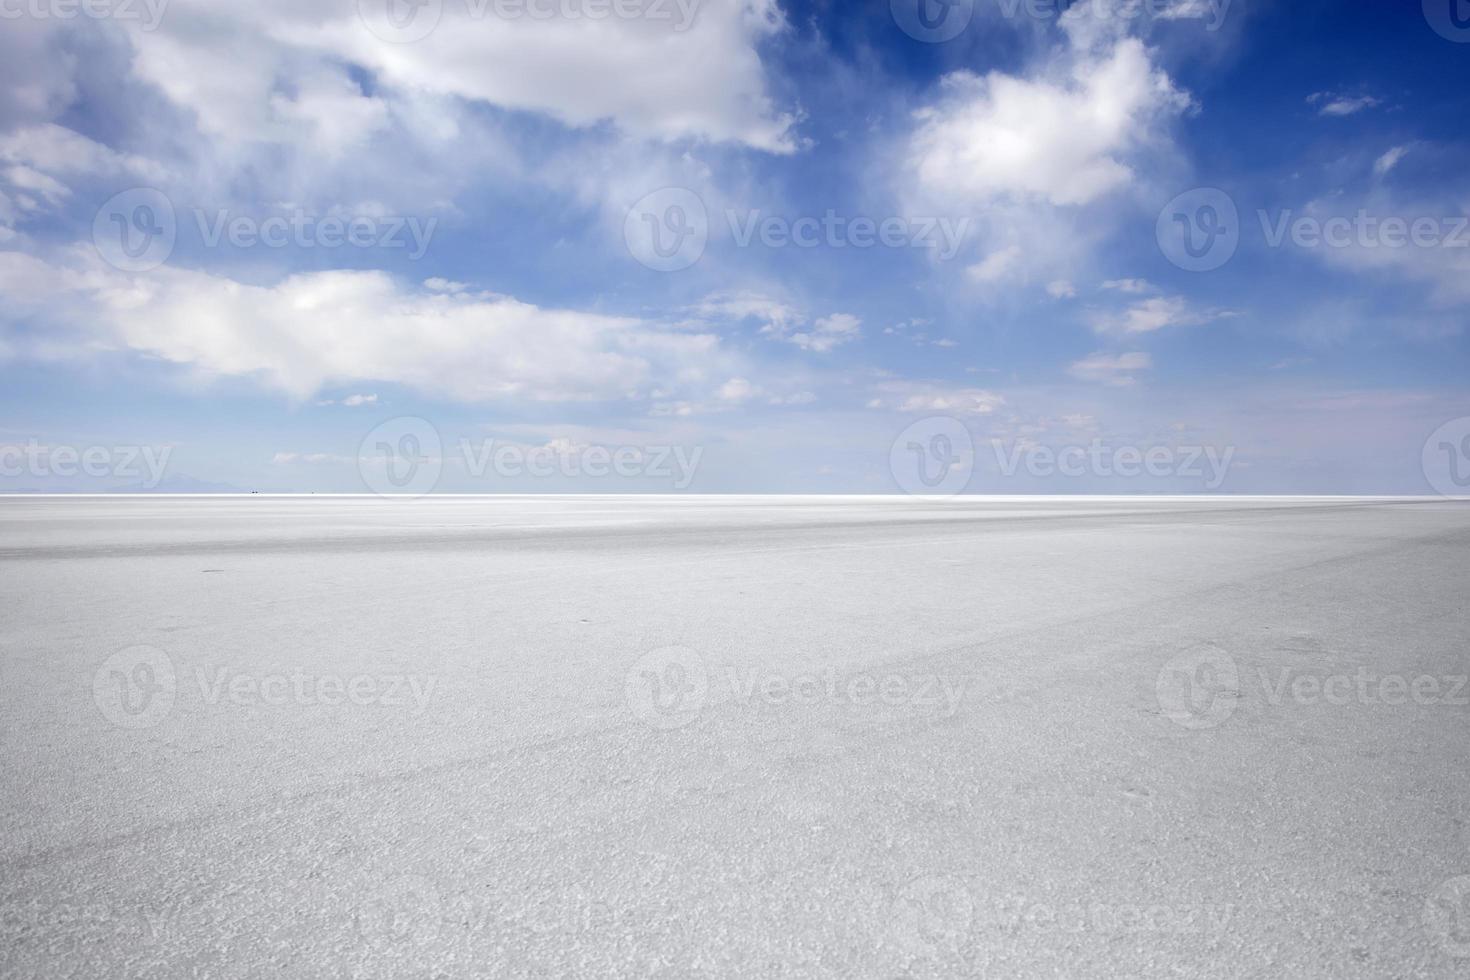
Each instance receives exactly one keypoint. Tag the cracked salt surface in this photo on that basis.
(733, 736)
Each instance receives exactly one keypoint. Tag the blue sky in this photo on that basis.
(874, 233)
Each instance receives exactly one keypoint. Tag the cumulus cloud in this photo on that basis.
(1035, 157)
(315, 329)
(695, 73)
(318, 111)
(1064, 135)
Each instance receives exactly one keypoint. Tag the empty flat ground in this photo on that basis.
(786, 736)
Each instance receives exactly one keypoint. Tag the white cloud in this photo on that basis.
(1389, 160)
(42, 166)
(62, 153)
(740, 391)
(736, 390)
(285, 126)
(1115, 370)
(774, 316)
(1136, 286)
(918, 396)
(912, 330)
(1196, 10)
(827, 333)
(316, 329)
(1064, 136)
(27, 185)
(1036, 159)
(1157, 313)
(1061, 289)
(318, 112)
(331, 107)
(997, 266)
(653, 78)
(781, 320)
(357, 401)
(1337, 104)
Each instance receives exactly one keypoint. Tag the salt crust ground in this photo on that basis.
(701, 736)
